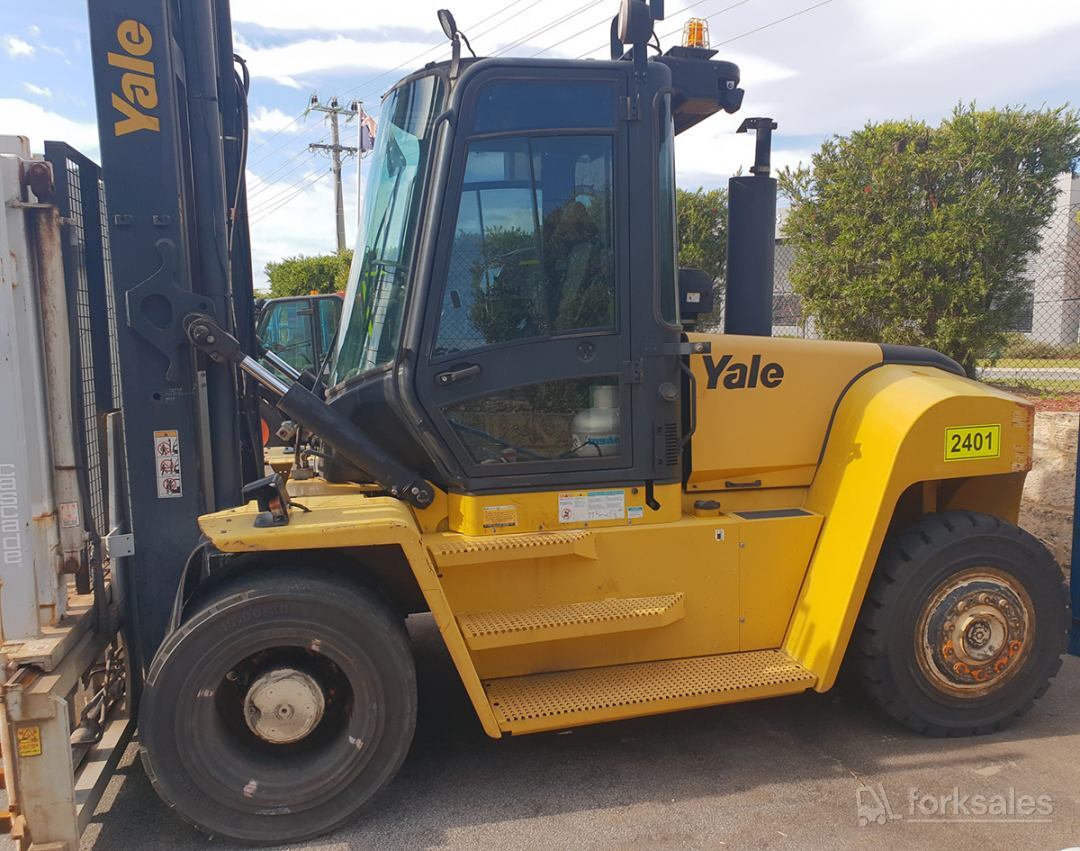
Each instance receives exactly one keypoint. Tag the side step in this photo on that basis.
(555, 701)
(484, 630)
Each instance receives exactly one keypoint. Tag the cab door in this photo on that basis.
(286, 328)
(524, 365)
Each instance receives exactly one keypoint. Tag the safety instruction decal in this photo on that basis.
(500, 516)
(167, 456)
(69, 514)
(28, 741)
(585, 506)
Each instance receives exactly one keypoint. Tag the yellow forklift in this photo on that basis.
(607, 513)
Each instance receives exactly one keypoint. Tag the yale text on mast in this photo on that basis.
(138, 85)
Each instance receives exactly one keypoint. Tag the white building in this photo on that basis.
(1054, 315)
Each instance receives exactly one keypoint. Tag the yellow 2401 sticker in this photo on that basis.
(966, 442)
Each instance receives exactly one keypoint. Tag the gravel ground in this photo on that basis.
(783, 773)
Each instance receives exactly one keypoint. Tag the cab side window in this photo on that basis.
(533, 252)
(329, 311)
(286, 330)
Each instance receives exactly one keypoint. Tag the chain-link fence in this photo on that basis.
(1041, 355)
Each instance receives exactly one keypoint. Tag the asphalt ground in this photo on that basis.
(782, 773)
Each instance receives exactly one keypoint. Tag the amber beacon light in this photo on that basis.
(695, 33)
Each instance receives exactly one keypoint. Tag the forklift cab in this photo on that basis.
(299, 329)
(513, 312)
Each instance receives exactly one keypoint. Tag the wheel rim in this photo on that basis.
(974, 632)
(284, 705)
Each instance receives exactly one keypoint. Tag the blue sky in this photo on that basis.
(826, 70)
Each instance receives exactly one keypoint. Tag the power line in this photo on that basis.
(278, 193)
(575, 35)
(773, 23)
(283, 167)
(409, 62)
(280, 130)
(677, 30)
(540, 31)
(273, 209)
(267, 180)
(267, 154)
(708, 17)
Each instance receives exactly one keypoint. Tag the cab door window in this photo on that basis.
(329, 312)
(576, 418)
(287, 331)
(533, 249)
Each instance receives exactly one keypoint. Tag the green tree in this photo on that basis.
(299, 275)
(911, 234)
(702, 231)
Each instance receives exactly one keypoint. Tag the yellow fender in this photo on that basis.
(355, 520)
(889, 433)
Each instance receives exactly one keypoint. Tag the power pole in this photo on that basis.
(335, 149)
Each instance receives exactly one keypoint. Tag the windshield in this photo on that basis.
(379, 278)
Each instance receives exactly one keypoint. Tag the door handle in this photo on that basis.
(460, 374)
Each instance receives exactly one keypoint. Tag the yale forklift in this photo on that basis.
(607, 513)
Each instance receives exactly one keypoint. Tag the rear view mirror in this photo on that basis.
(447, 22)
(634, 22)
(695, 295)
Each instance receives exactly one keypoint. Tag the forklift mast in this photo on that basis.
(171, 106)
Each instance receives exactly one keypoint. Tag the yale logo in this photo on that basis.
(739, 376)
(138, 86)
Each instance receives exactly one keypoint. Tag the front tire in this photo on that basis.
(280, 708)
(963, 625)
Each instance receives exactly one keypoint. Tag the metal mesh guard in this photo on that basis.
(638, 689)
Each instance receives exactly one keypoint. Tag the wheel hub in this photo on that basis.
(284, 705)
(974, 632)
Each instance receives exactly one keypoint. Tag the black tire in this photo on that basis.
(963, 625)
(216, 770)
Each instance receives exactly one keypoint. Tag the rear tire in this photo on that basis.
(278, 710)
(963, 625)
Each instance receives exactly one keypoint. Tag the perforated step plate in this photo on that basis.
(484, 630)
(450, 548)
(572, 698)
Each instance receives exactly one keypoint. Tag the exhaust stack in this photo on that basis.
(752, 240)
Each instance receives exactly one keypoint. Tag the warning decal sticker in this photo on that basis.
(500, 516)
(28, 741)
(584, 506)
(167, 458)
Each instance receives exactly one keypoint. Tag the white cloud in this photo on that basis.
(265, 120)
(917, 28)
(40, 91)
(346, 15)
(23, 118)
(300, 220)
(713, 149)
(16, 47)
(285, 63)
(34, 30)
